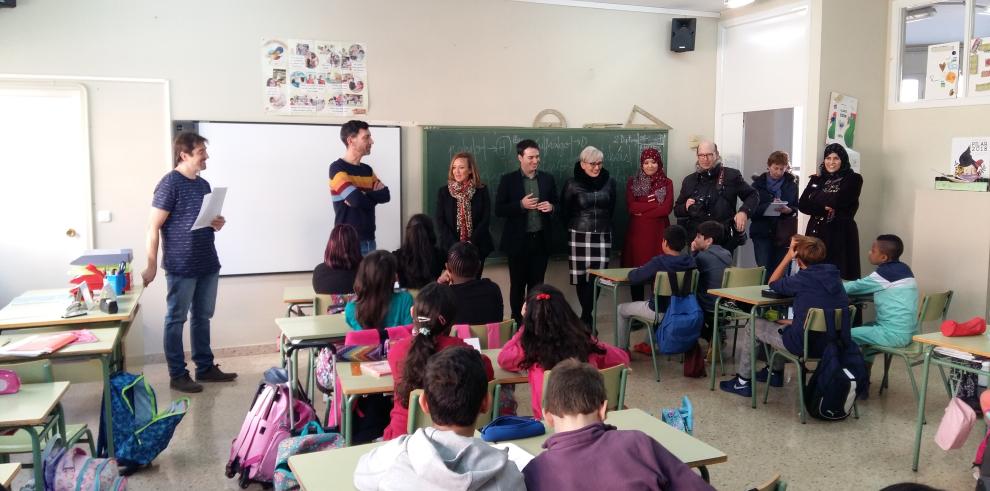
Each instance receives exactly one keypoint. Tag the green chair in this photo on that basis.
(934, 306)
(813, 322)
(774, 484)
(506, 329)
(323, 303)
(34, 372)
(615, 386)
(418, 419)
(729, 316)
(661, 288)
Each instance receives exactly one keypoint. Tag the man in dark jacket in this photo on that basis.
(711, 193)
(526, 199)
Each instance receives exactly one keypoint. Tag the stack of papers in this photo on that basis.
(39, 344)
(517, 455)
(376, 368)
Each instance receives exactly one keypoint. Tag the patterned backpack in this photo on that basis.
(319, 440)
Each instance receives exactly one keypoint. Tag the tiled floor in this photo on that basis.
(868, 453)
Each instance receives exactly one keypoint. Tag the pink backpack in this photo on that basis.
(255, 449)
(77, 470)
(956, 424)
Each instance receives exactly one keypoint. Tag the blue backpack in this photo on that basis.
(140, 431)
(681, 325)
(840, 375)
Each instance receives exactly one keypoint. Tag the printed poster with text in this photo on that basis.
(317, 78)
(970, 157)
(979, 67)
(841, 125)
(943, 71)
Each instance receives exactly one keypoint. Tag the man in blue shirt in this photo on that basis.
(192, 268)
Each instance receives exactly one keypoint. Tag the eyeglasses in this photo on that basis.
(706, 155)
(594, 164)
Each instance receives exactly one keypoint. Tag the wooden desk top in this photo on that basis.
(749, 295)
(618, 275)
(310, 327)
(31, 405)
(42, 308)
(334, 469)
(108, 337)
(298, 294)
(977, 345)
(7, 473)
(353, 382)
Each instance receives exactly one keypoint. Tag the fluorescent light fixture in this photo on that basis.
(983, 10)
(914, 15)
(732, 4)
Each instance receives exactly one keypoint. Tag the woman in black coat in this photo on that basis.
(464, 208)
(832, 199)
(772, 234)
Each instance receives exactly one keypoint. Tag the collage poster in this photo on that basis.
(318, 78)
(942, 74)
(970, 157)
(841, 125)
(979, 67)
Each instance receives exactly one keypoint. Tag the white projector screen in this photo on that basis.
(278, 207)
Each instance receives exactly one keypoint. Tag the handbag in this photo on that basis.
(505, 428)
(956, 424)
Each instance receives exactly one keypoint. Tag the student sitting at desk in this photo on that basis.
(479, 300)
(816, 285)
(712, 259)
(377, 304)
(445, 456)
(621, 459)
(335, 275)
(420, 261)
(432, 314)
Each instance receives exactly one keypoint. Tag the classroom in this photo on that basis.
(97, 91)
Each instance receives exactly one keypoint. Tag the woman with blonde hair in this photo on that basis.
(464, 208)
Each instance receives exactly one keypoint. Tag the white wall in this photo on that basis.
(469, 62)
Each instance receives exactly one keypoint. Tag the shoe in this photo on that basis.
(213, 374)
(184, 383)
(643, 348)
(737, 386)
(776, 377)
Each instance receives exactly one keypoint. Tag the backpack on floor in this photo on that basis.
(840, 375)
(77, 471)
(306, 442)
(680, 327)
(254, 450)
(140, 430)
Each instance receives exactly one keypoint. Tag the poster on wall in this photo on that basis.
(970, 157)
(979, 67)
(316, 78)
(942, 74)
(841, 122)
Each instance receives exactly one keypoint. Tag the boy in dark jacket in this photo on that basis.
(621, 459)
(712, 259)
(816, 285)
(674, 240)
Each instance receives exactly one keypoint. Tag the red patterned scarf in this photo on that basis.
(463, 194)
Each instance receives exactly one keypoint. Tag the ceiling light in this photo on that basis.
(922, 13)
(731, 4)
(983, 10)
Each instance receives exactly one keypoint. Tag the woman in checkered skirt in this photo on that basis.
(588, 202)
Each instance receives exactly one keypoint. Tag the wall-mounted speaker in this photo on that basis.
(8, 3)
(682, 34)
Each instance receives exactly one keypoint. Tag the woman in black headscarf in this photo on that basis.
(832, 198)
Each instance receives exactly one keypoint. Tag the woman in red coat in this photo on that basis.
(649, 199)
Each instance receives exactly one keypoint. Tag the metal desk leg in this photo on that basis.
(39, 468)
(716, 345)
(922, 395)
(107, 414)
(704, 474)
(752, 354)
(594, 308)
(347, 417)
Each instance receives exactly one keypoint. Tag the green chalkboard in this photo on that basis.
(495, 150)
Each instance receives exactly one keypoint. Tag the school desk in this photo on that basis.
(294, 330)
(44, 308)
(35, 405)
(975, 345)
(609, 279)
(7, 474)
(297, 297)
(334, 469)
(108, 338)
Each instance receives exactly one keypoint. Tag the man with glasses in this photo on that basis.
(712, 193)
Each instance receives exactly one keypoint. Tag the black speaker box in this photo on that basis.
(682, 34)
(8, 3)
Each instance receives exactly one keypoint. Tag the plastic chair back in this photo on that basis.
(418, 419)
(615, 386)
(736, 277)
(322, 303)
(935, 306)
(506, 329)
(661, 286)
(32, 372)
(815, 322)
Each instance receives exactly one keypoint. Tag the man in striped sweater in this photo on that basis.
(354, 188)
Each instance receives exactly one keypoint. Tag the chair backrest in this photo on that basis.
(736, 277)
(322, 304)
(774, 484)
(418, 419)
(661, 286)
(615, 386)
(815, 322)
(935, 306)
(505, 328)
(32, 372)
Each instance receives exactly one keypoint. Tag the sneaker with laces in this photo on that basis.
(214, 374)
(737, 386)
(184, 383)
(776, 377)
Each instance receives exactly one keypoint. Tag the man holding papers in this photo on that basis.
(191, 264)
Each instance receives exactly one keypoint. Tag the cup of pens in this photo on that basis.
(117, 281)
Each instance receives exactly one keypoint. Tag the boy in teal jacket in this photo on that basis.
(895, 294)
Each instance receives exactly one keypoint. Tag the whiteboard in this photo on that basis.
(278, 209)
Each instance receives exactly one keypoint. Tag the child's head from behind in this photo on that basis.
(551, 330)
(708, 233)
(575, 393)
(463, 260)
(886, 248)
(674, 240)
(432, 313)
(455, 387)
(808, 250)
(373, 286)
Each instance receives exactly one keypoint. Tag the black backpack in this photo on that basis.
(840, 375)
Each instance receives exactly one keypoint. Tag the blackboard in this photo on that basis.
(495, 150)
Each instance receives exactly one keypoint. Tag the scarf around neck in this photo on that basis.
(463, 194)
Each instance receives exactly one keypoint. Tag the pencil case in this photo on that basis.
(9, 383)
(505, 428)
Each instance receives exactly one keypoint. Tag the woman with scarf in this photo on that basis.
(772, 234)
(832, 198)
(649, 199)
(464, 208)
(588, 201)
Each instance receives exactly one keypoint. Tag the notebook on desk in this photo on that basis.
(39, 344)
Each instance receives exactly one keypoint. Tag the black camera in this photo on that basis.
(701, 207)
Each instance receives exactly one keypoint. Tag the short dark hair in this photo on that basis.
(351, 128)
(711, 230)
(463, 259)
(574, 388)
(891, 246)
(676, 237)
(455, 386)
(185, 142)
(524, 144)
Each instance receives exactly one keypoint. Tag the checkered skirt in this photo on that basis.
(588, 250)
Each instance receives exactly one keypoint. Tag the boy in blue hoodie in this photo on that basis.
(816, 285)
(895, 295)
(674, 241)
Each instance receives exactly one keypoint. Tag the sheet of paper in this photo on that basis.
(212, 206)
(61, 298)
(771, 210)
(474, 343)
(517, 455)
